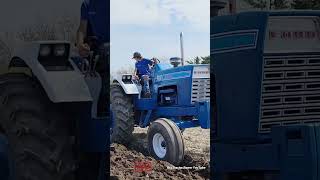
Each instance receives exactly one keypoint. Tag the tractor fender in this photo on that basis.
(128, 88)
(60, 86)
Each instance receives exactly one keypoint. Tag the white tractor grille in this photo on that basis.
(290, 91)
(200, 90)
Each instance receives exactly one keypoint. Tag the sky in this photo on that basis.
(16, 14)
(152, 27)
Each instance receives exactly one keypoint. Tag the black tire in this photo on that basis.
(173, 141)
(38, 134)
(123, 115)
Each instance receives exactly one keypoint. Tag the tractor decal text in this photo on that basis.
(294, 35)
(201, 72)
(172, 76)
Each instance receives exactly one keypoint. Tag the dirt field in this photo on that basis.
(195, 165)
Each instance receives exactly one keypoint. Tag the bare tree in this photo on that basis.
(127, 70)
(38, 32)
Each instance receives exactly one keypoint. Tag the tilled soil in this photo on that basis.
(124, 159)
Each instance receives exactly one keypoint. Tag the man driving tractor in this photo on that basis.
(142, 72)
(93, 35)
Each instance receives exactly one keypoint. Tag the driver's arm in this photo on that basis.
(82, 31)
(84, 17)
(135, 73)
(150, 63)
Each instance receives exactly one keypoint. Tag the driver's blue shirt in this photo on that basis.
(97, 12)
(142, 67)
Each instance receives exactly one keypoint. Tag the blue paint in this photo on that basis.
(173, 76)
(179, 80)
(187, 124)
(161, 67)
(234, 41)
(289, 152)
(204, 114)
(5, 170)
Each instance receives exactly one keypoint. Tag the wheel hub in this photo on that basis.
(159, 145)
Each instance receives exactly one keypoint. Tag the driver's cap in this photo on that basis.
(136, 55)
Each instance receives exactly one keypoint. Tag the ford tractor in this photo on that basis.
(50, 125)
(266, 81)
(180, 97)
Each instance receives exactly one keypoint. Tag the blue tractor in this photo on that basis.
(180, 97)
(266, 81)
(50, 126)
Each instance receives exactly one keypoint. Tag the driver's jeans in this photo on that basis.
(104, 71)
(145, 83)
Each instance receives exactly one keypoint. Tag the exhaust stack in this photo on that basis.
(181, 48)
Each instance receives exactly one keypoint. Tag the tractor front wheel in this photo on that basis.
(165, 141)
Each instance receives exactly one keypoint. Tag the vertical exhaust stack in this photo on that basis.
(181, 48)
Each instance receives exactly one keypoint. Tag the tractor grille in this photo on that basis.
(290, 91)
(200, 90)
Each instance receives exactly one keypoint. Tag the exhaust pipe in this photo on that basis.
(181, 48)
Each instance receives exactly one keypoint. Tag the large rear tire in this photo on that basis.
(38, 133)
(123, 115)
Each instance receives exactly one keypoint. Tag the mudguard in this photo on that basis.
(129, 88)
(60, 86)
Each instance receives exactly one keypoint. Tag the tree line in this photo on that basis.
(199, 60)
(284, 4)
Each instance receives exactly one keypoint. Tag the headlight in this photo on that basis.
(45, 50)
(59, 50)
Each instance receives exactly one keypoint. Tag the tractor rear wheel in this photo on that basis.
(123, 115)
(38, 134)
(165, 141)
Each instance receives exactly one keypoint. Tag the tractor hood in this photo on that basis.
(195, 71)
(192, 82)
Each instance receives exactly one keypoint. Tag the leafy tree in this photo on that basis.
(196, 60)
(306, 4)
(259, 4)
(205, 60)
(202, 60)
(280, 4)
(274, 4)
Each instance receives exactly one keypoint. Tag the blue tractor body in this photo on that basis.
(172, 97)
(266, 73)
(180, 99)
(5, 172)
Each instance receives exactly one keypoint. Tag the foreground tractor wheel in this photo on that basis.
(165, 141)
(38, 135)
(123, 116)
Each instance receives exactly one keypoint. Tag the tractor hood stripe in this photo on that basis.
(175, 75)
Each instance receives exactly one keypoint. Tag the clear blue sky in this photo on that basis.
(152, 27)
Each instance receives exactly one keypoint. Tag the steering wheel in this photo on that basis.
(156, 59)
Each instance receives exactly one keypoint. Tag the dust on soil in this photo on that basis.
(197, 155)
